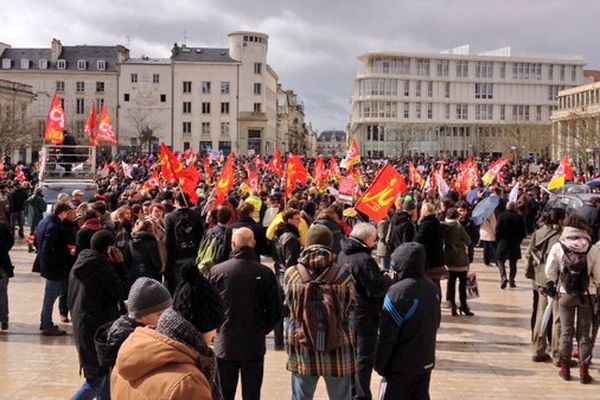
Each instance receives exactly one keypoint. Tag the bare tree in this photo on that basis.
(143, 125)
(580, 134)
(15, 129)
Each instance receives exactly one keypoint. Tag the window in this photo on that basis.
(6, 63)
(447, 90)
(520, 113)
(80, 86)
(206, 87)
(100, 65)
(406, 88)
(24, 63)
(538, 113)
(430, 89)
(163, 98)
(502, 112)
(81, 65)
(257, 107)
(225, 108)
(187, 127)
(224, 87)
(418, 89)
(484, 90)
(60, 86)
(99, 104)
(206, 128)
(484, 112)
(553, 91)
(378, 87)
(257, 88)
(155, 78)
(61, 64)
(205, 108)
(443, 67)
(573, 73)
(99, 87)
(80, 106)
(418, 110)
(224, 128)
(447, 111)
(43, 64)
(462, 69)
(80, 127)
(126, 97)
(422, 67)
(134, 78)
(462, 111)
(484, 69)
(562, 72)
(550, 72)
(205, 145)
(503, 70)
(406, 110)
(429, 110)
(187, 107)
(187, 86)
(258, 68)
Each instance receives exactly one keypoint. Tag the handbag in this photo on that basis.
(438, 273)
(472, 286)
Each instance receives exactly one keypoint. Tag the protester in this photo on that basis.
(456, 258)
(17, 204)
(430, 235)
(510, 232)
(6, 270)
(244, 219)
(91, 224)
(35, 206)
(142, 254)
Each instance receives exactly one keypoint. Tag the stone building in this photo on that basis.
(16, 131)
(332, 142)
(292, 131)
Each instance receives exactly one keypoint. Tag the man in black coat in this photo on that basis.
(6, 270)
(371, 285)
(252, 308)
(53, 261)
(244, 212)
(402, 228)
(97, 284)
(17, 202)
(405, 351)
(510, 232)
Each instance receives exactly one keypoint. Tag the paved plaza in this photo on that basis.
(487, 356)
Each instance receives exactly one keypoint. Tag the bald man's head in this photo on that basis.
(242, 237)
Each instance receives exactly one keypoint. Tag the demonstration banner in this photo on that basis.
(382, 193)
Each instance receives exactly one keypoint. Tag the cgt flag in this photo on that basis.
(382, 193)
(170, 166)
(352, 156)
(105, 128)
(294, 172)
(188, 181)
(90, 127)
(225, 182)
(493, 172)
(275, 164)
(563, 173)
(55, 123)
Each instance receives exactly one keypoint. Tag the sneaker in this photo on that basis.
(503, 284)
(54, 332)
(542, 358)
(4, 325)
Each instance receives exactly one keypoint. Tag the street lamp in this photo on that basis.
(514, 149)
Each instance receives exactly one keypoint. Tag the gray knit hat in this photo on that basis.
(147, 296)
(319, 234)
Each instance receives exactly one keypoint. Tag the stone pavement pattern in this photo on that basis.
(483, 357)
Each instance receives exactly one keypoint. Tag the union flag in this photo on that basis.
(275, 164)
(55, 123)
(494, 172)
(188, 181)
(334, 169)
(169, 164)
(225, 182)
(319, 174)
(105, 128)
(352, 156)
(294, 172)
(563, 173)
(90, 127)
(208, 173)
(382, 193)
(414, 176)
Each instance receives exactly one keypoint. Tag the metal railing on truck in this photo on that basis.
(67, 162)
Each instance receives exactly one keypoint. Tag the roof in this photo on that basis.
(148, 60)
(71, 54)
(328, 136)
(201, 54)
(592, 73)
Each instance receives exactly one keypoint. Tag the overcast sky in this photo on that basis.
(313, 43)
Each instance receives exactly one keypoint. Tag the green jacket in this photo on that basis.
(35, 207)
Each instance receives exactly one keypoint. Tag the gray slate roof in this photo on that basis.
(202, 54)
(328, 136)
(69, 53)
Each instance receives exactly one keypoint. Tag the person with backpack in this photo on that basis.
(212, 248)
(184, 231)
(402, 229)
(319, 339)
(573, 266)
(252, 308)
(370, 285)
(405, 350)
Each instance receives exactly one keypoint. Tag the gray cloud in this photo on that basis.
(313, 44)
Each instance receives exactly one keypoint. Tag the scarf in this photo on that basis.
(575, 240)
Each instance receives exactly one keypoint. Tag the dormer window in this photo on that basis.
(81, 65)
(6, 63)
(24, 63)
(43, 64)
(100, 65)
(61, 64)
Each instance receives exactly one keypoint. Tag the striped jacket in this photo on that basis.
(301, 359)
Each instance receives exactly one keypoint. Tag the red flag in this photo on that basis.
(319, 174)
(253, 181)
(207, 170)
(275, 164)
(55, 123)
(19, 174)
(382, 193)
(1, 170)
(225, 183)
(565, 169)
(259, 162)
(294, 172)
(153, 181)
(352, 156)
(494, 172)
(90, 127)
(414, 176)
(105, 129)
(334, 169)
(188, 181)
(170, 165)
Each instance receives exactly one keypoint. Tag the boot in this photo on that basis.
(464, 309)
(453, 308)
(584, 374)
(565, 371)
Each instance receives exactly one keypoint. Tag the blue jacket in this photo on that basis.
(53, 259)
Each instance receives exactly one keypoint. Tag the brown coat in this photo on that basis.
(153, 366)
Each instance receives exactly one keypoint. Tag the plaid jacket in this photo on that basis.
(306, 361)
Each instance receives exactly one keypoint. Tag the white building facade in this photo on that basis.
(457, 103)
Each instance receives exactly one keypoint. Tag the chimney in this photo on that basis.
(56, 50)
(122, 54)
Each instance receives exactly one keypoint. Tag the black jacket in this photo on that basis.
(252, 305)
(95, 289)
(53, 258)
(473, 232)
(370, 283)
(109, 338)
(18, 199)
(7, 241)
(402, 230)
(142, 257)
(259, 236)
(430, 235)
(173, 252)
(410, 318)
(510, 232)
(287, 246)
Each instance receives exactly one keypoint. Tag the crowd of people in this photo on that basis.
(170, 298)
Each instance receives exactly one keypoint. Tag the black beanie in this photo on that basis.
(101, 240)
(196, 300)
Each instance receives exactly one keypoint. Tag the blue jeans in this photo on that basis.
(303, 387)
(54, 289)
(489, 252)
(97, 387)
(3, 299)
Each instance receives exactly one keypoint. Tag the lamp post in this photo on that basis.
(514, 149)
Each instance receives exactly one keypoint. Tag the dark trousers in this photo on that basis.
(489, 252)
(513, 269)
(252, 377)
(405, 387)
(569, 307)
(462, 287)
(366, 338)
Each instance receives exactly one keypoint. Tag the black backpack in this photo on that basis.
(574, 277)
(185, 239)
